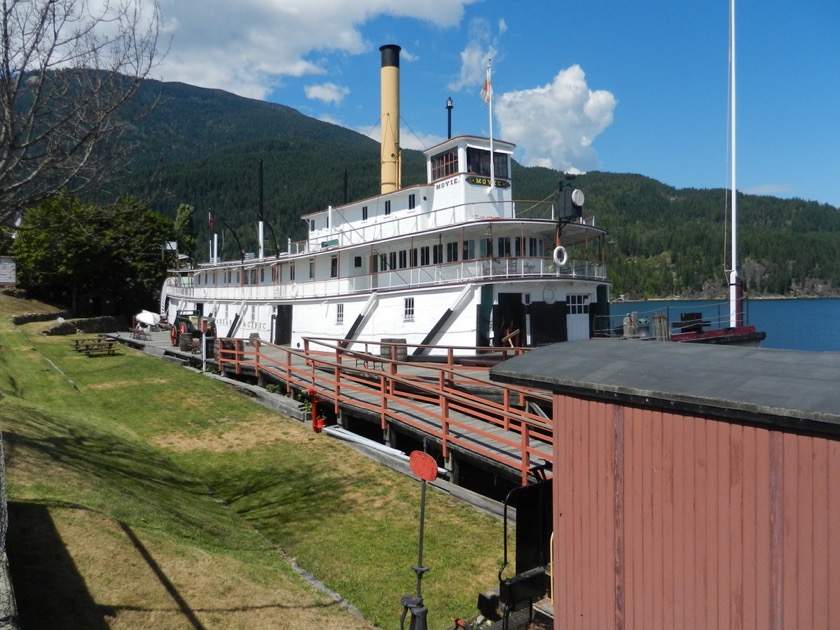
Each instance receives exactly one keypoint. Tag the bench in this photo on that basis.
(99, 347)
(363, 358)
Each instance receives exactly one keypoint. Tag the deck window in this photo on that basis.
(452, 252)
(412, 201)
(357, 261)
(403, 259)
(334, 267)
(388, 206)
(408, 314)
(504, 247)
(339, 314)
(392, 260)
(364, 213)
(437, 254)
(311, 268)
(445, 164)
(469, 250)
(292, 272)
(478, 161)
(577, 304)
(424, 256)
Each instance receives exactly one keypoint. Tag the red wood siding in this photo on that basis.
(672, 521)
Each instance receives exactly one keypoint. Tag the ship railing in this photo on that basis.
(408, 222)
(482, 269)
(440, 274)
(436, 399)
(663, 322)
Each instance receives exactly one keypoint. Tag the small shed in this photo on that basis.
(695, 486)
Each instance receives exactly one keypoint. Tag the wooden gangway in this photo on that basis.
(448, 400)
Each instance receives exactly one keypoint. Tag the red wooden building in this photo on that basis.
(694, 486)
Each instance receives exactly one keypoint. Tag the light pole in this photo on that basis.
(449, 106)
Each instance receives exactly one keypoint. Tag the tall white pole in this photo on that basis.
(490, 109)
(733, 274)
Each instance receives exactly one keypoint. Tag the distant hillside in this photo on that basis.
(202, 147)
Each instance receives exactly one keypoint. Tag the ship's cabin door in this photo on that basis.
(509, 325)
(283, 324)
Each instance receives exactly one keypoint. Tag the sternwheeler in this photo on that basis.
(457, 261)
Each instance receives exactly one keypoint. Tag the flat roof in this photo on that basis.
(795, 389)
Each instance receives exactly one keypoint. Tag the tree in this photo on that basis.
(185, 230)
(67, 69)
(83, 250)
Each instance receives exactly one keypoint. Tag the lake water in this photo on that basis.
(799, 324)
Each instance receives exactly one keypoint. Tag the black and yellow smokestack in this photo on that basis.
(390, 122)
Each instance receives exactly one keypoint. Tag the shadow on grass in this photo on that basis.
(167, 584)
(49, 590)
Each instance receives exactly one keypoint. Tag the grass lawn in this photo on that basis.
(145, 495)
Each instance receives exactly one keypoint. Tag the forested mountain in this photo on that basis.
(203, 147)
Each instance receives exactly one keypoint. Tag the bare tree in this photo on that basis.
(68, 68)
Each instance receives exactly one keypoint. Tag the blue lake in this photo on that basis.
(798, 324)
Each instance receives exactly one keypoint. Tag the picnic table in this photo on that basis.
(95, 346)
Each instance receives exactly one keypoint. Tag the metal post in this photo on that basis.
(425, 467)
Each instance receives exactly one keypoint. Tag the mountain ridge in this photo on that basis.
(203, 147)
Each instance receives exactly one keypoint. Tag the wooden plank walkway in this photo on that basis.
(456, 407)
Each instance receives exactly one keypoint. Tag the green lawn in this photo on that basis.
(171, 501)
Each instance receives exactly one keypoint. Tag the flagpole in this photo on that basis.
(490, 109)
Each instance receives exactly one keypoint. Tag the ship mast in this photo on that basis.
(734, 288)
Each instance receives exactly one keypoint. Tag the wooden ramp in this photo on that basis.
(454, 406)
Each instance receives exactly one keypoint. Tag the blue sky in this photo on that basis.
(611, 85)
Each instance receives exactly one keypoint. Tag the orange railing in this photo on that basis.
(449, 402)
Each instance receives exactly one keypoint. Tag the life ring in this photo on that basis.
(549, 297)
(294, 290)
(561, 256)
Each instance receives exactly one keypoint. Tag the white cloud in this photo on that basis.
(481, 47)
(326, 92)
(248, 46)
(555, 125)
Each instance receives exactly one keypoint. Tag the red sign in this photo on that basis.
(423, 465)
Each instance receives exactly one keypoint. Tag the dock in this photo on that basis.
(442, 404)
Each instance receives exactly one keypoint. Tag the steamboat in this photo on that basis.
(455, 262)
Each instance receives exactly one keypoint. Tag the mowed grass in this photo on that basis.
(144, 495)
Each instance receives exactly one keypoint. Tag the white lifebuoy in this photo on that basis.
(561, 257)
(294, 290)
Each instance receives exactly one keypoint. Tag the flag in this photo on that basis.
(487, 89)
(210, 219)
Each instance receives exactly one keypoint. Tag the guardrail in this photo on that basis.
(438, 399)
